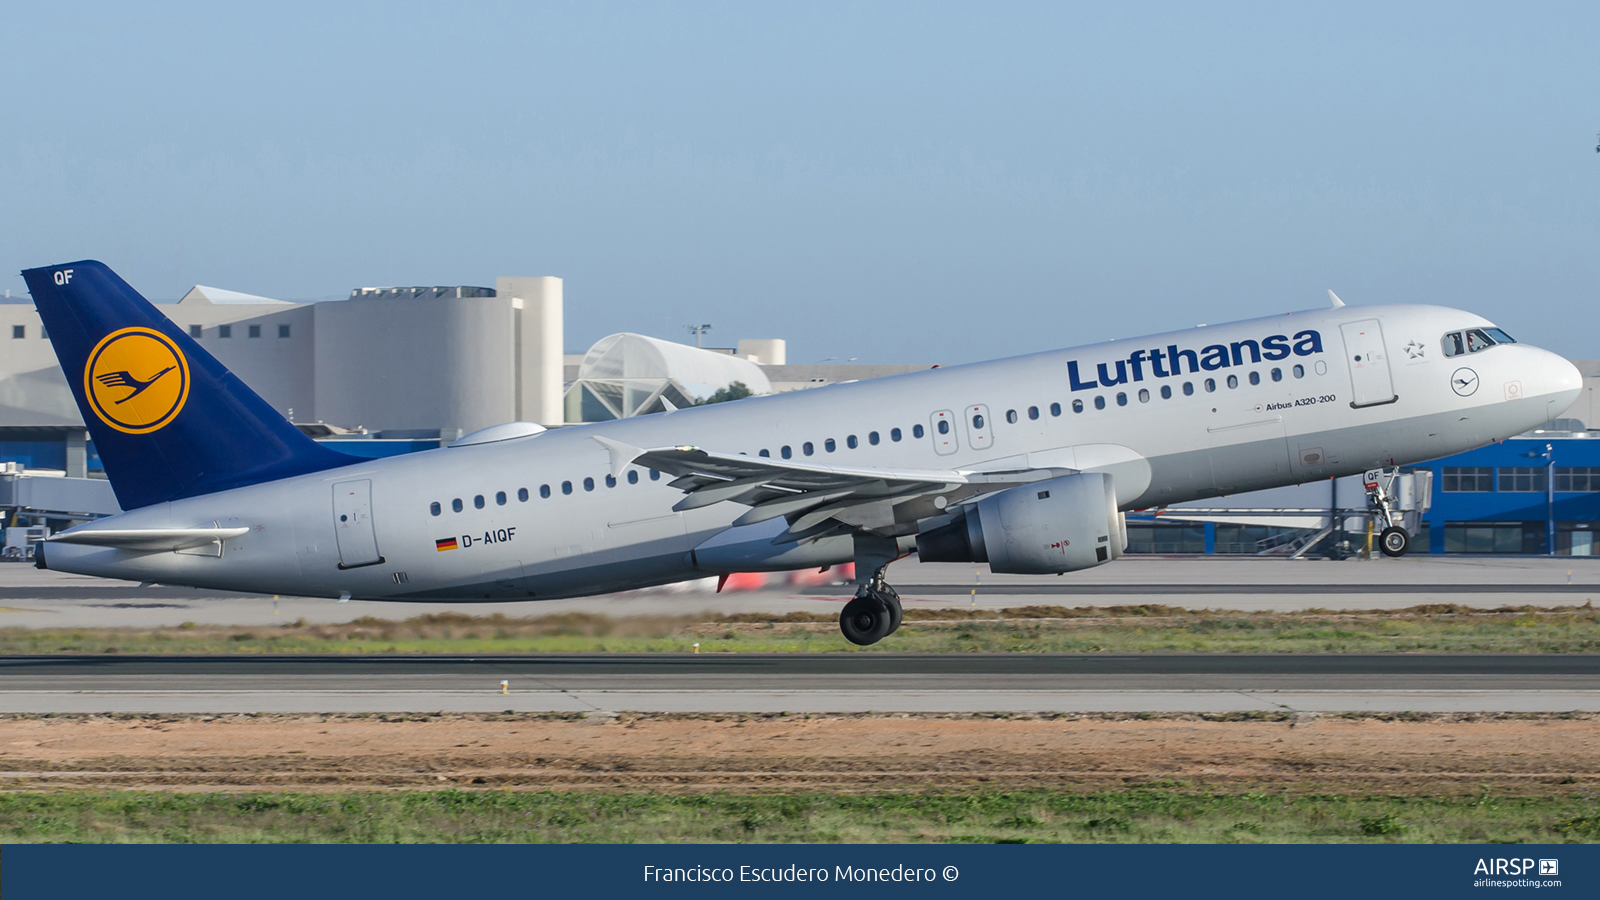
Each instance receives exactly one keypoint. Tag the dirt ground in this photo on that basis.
(1421, 755)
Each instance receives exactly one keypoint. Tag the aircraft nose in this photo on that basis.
(1564, 375)
(1562, 380)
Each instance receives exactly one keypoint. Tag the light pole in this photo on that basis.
(1549, 456)
(698, 331)
(1550, 499)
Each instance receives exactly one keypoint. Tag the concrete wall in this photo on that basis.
(33, 391)
(393, 363)
(382, 362)
(539, 376)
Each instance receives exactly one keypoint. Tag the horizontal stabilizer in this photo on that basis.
(149, 538)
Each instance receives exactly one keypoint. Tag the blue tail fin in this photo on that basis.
(168, 420)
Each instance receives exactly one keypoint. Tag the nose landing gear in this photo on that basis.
(1394, 540)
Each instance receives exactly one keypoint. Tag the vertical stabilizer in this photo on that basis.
(168, 420)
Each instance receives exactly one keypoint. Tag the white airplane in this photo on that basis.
(1024, 463)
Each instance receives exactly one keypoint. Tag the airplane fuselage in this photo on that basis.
(1172, 417)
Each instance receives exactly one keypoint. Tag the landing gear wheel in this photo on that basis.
(1394, 541)
(867, 619)
(896, 613)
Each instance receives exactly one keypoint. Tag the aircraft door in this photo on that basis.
(1364, 353)
(352, 524)
(980, 431)
(944, 432)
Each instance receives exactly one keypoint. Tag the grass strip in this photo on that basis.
(1433, 628)
(1144, 815)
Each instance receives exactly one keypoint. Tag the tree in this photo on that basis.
(736, 391)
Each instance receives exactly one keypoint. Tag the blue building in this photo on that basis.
(1514, 496)
(1518, 496)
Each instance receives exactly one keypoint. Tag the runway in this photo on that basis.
(35, 599)
(815, 683)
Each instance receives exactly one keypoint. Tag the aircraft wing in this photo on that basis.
(816, 499)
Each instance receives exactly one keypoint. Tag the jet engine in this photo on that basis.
(1047, 527)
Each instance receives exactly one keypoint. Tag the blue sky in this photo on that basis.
(914, 182)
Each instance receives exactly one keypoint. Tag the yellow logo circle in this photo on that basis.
(137, 380)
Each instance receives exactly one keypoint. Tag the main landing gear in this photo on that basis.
(1394, 540)
(875, 613)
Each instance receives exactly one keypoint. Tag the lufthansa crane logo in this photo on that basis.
(137, 380)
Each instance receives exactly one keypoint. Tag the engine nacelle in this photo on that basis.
(1046, 527)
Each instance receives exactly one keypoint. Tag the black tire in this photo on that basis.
(1394, 541)
(866, 620)
(896, 613)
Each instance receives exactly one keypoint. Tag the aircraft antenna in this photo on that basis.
(1336, 301)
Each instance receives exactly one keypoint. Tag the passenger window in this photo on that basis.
(1122, 399)
(807, 449)
(944, 426)
(1188, 389)
(544, 492)
(785, 452)
(829, 445)
(917, 432)
(1255, 377)
(1166, 392)
(977, 422)
(633, 474)
(1277, 374)
(1077, 406)
(588, 484)
(894, 435)
(1233, 382)
(455, 505)
(500, 498)
(1033, 412)
(1477, 340)
(477, 502)
(522, 495)
(1211, 385)
(1299, 371)
(655, 475)
(566, 487)
(1100, 403)
(1055, 409)
(434, 509)
(1454, 344)
(1144, 395)
(764, 453)
(851, 442)
(1011, 416)
(872, 438)
(611, 481)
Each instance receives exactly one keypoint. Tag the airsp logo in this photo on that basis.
(137, 380)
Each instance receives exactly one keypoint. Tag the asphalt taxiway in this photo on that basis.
(811, 683)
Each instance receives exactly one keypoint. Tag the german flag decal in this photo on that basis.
(443, 544)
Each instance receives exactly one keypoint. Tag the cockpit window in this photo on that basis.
(1500, 337)
(1454, 344)
(1477, 340)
